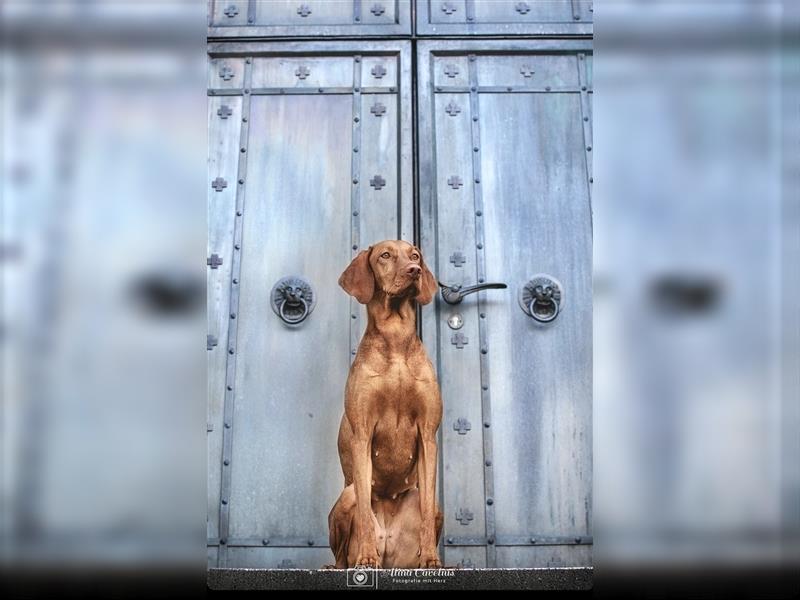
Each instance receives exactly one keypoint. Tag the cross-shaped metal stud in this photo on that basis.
(377, 10)
(378, 109)
(211, 340)
(302, 72)
(455, 182)
(464, 516)
(219, 184)
(378, 71)
(377, 182)
(304, 10)
(457, 259)
(448, 8)
(226, 73)
(286, 564)
(224, 111)
(526, 71)
(451, 71)
(214, 261)
(452, 109)
(522, 8)
(231, 11)
(462, 426)
(459, 340)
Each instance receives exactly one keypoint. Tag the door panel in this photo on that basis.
(319, 165)
(504, 195)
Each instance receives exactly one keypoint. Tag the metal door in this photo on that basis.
(505, 178)
(310, 158)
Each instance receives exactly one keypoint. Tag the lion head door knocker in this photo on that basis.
(542, 298)
(293, 299)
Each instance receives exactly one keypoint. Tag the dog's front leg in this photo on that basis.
(362, 478)
(426, 471)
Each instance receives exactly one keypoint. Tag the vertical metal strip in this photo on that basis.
(357, 11)
(230, 373)
(480, 262)
(355, 196)
(587, 125)
(470, 10)
(576, 10)
(251, 12)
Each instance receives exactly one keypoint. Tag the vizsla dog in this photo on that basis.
(387, 515)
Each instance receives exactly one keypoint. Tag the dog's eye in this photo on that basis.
(386, 255)
(415, 256)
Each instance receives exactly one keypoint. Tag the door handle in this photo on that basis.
(292, 299)
(454, 294)
(542, 298)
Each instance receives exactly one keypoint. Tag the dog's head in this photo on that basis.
(394, 267)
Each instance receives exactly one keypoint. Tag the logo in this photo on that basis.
(361, 577)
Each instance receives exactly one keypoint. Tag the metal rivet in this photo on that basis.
(477, 180)
(248, 61)
(489, 501)
(358, 59)
(250, 19)
(478, 213)
(241, 181)
(488, 463)
(484, 387)
(247, 91)
(238, 213)
(470, 18)
(438, 89)
(355, 149)
(320, 90)
(227, 425)
(355, 213)
(484, 351)
(588, 148)
(355, 180)
(224, 502)
(480, 280)
(533, 540)
(222, 541)
(237, 247)
(235, 281)
(244, 149)
(577, 17)
(352, 316)
(212, 92)
(473, 88)
(244, 119)
(355, 247)
(547, 89)
(265, 542)
(585, 118)
(449, 540)
(230, 388)
(483, 315)
(358, 19)
(577, 540)
(508, 89)
(356, 89)
(480, 246)
(475, 118)
(310, 542)
(391, 89)
(230, 350)
(472, 58)
(580, 56)
(475, 149)
(486, 424)
(233, 315)
(491, 541)
(226, 462)
(353, 352)
(591, 179)
(356, 119)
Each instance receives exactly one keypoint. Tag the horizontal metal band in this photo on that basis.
(502, 89)
(319, 542)
(304, 91)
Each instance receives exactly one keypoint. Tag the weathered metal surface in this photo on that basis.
(311, 18)
(504, 17)
(280, 426)
(520, 144)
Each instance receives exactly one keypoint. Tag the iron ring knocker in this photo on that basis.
(292, 299)
(538, 317)
(293, 320)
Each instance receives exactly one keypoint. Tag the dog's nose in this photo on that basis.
(413, 270)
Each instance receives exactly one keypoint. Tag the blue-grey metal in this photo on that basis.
(280, 472)
(464, 18)
(309, 18)
(522, 143)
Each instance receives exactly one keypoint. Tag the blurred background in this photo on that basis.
(696, 252)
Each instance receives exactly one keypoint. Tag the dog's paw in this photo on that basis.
(430, 562)
(368, 558)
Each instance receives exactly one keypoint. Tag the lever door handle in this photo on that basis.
(454, 294)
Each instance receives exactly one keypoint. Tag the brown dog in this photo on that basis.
(387, 514)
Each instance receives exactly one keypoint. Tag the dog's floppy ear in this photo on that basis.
(427, 284)
(357, 279)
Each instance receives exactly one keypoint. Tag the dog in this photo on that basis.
(387, 515)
